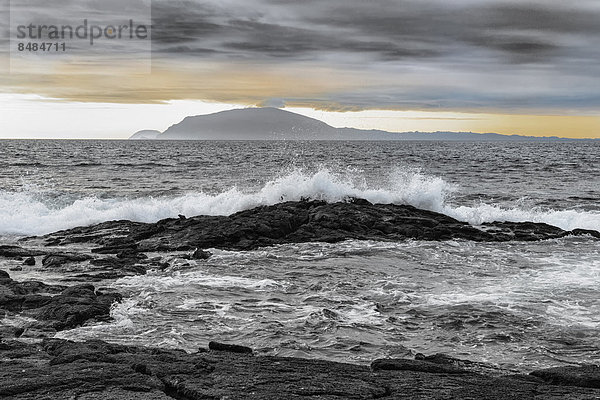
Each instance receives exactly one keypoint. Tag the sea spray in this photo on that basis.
(35, 212)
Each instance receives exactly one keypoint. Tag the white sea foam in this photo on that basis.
(163, 283)
(29, 213)
(565, 219)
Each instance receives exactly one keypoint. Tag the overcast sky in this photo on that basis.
(504, 62)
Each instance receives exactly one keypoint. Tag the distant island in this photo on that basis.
(145, 135)
(277, 124)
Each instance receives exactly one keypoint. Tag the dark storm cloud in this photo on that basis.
(272, 29)
(384, 29)
(183, 22)
(400, 54)
(420, 53)
(266, 40)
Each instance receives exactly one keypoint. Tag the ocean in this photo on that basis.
(519, 306)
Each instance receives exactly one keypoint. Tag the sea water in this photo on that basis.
(517, 305)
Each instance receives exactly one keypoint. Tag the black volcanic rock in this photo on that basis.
(414, 365)
(18, 296)
(531, 231)
(200, 254)
(74, 306)
(584, 376)
(55, 307)
(16, 252)
(58, 260)
(58, 369)
(119, 247)
(298, 222)
(29, 261)
(232, 348)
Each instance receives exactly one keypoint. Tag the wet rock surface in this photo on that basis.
(11, 251)
(60, 259)
(586, 376)
(117, 249)
(52, 308)
(57, 369)
(297, 222)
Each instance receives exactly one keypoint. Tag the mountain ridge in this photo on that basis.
(275, 124)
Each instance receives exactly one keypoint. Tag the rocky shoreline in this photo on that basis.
(117, 249)
(58, 369)
(35, 366)
(43, 368)
(299, 222)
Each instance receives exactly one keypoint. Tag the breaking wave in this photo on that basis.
(30, 212)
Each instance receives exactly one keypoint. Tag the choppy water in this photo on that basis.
(521, 305)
